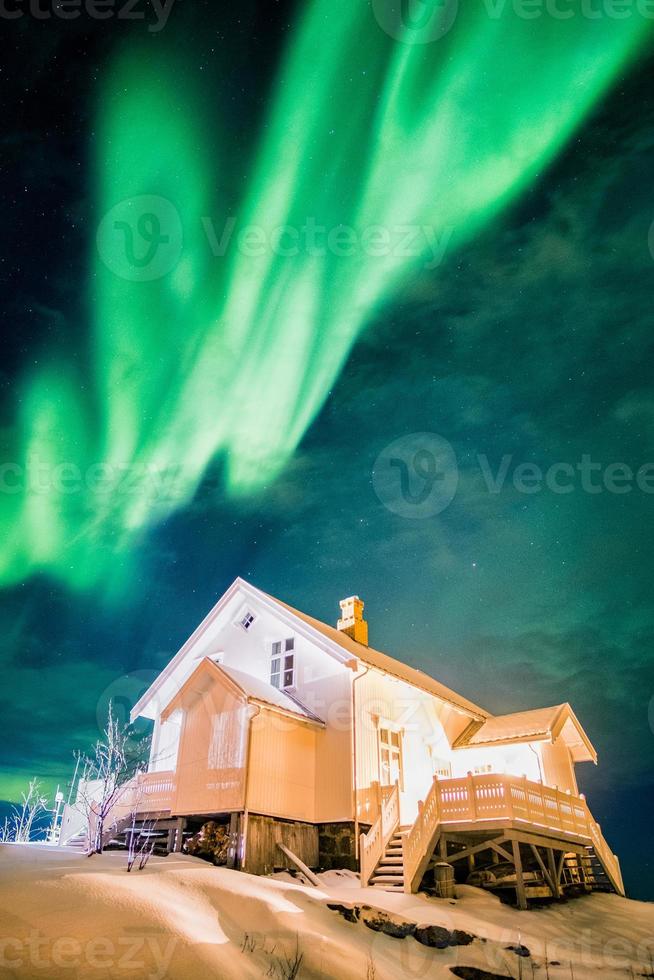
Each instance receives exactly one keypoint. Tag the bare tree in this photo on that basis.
(108, 775)
(5, 832)
(140, 842)
(21, 827)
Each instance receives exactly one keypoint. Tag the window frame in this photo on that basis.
(247, 620)
(393, 748)
(283, 664)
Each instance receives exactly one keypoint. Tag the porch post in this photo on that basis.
(551, 863)
(519, 880)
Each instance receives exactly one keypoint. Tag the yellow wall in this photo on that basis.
(558, 768)
(282, 772)
(334, 801)
(211, 760)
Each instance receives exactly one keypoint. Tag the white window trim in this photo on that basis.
(243, 616)
(282, 668)
(398, 751)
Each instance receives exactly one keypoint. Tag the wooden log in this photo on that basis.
(300, 864)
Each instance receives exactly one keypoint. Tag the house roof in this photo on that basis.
(558, 721)
(252, 689)
(333, 641)
(386, 663)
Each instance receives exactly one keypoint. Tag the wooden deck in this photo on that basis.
(493, 806)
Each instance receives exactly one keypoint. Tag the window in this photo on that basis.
(481, 770)
(390, 757)
(282, 663)
(247, 620)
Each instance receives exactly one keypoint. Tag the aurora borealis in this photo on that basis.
(234, 358)
(226, 414)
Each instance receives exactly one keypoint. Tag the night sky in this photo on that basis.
(530, 342)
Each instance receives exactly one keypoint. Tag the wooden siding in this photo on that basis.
(262, 855)
(558, 769)
(282, 771)
(212, 753)
(333, 797)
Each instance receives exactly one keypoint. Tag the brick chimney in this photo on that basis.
(352, 621)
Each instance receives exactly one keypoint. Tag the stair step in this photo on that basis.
(391, 859)
(388, 880)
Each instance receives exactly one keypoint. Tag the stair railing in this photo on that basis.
(418, 841)
(373, 844)
(606, 856)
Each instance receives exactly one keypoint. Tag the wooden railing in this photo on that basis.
(607, 857)
(373, 844)
(149, 792)
(418, 842)
(495, 797)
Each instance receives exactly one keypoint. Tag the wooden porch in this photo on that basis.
(460, 818)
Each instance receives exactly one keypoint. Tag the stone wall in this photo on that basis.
(336, 846)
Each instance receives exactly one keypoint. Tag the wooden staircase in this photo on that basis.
(79, 841)
(389, 873)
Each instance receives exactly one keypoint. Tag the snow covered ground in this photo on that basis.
(63, 915)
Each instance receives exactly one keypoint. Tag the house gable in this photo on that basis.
(539, 724)
(326, 649)
(221, 636)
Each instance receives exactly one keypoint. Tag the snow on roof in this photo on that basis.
(260, 690)
(252, 688)
(536, 724)
(386, 663)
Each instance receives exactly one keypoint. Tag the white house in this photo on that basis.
(294, 731)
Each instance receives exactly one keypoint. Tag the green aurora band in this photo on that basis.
(232, 357)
